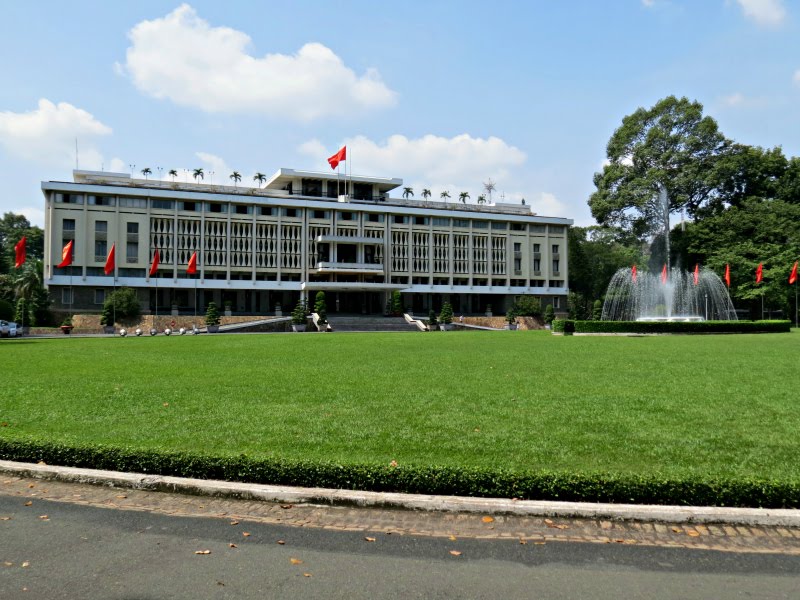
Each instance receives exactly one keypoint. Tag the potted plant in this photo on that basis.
(299, 318)
(511, 320)
(321, 308)
(446, 317)
(488, 310)
(66, 325)
(432, 322)
(212, 318)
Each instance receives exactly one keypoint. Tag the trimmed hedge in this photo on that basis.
(565, 326)
(541, 485)
(676, 327)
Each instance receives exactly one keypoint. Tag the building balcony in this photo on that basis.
(343, 239)
(349, 267)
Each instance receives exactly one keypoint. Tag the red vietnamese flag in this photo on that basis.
(728, 275)
(154, 266)
(759, 273)
(19, 252)
(793, 274)
(696, 273)
(633, 273)
(664, 274)
(191, 269)
(340, 156)
(66, 255)
(111, 261)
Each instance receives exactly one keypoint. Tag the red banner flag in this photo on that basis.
(191, 269)
(66, 255)
(111, 261)
(759, 273)
(340, 156)
(793, 274)
(696, 273)
(154, 266)
(728, 275)
(664, 274)
(633, 273)
(19, 252)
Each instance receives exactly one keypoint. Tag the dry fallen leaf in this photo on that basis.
(281, 542)
(26, 564)
(44, 517)
(306, 574)
(693, 533)
(538, 543)
(455, 552)
(393, 463)
(284, 506)
(295, 561)
(28, 503)
(122, 496)
(166, 403)
(31, 485)
(5, 518)
(488, 519)
(234, 522)
(8, 564)
(452, 538)
(523, 542)
(369, 539)
(677, 530)
(202, 551)
(41, 462)
(245, 534)
(232, 546)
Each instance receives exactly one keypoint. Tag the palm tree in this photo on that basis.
(236, 176)
(197, 174)
(146, 171)
(173, 173)
(260, 178)
(444, 195)
(489, 186)
(426, 193)
(463, 197)
(482, 199)
(407, 191)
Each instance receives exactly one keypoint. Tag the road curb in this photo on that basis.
(773, 517)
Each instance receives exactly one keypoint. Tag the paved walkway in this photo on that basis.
(33, 493)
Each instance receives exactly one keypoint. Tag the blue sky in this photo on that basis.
(444, 95)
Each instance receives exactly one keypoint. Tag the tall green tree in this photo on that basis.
(147, 172)
(426, 193)
(671, 145)
(260, 178)
(236, 177)
(463, 196)
(12, 228)
(408, 192)
(198, 174)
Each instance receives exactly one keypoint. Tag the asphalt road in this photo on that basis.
(63, 550)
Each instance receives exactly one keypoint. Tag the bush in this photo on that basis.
(527, 306)
(320, 307)
(446, 315)
(122, 304)
(212, 314)
(597, 310)
(432, 322)
(690, 489)
(24, 315)
(397, 303)
(565, 326)
(549, 314)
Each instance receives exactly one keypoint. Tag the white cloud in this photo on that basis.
(47, 135)
(34, 214)
(547, 205)
(735, 99)
(182, 58)
(796, 76)
(217, 168)
(649, 3)
(118, 166)
(767, 13)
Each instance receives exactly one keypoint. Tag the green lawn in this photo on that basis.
(672, 406)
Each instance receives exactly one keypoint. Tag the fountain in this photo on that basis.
(648, 297)
(674, 295)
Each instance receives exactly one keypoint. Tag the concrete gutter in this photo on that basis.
(332, 497)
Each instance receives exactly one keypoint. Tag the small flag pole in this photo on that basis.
(114, 296)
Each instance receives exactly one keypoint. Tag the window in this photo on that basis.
(335, 188)
(555, 248)
(162, 204)
(496, 225)
(460, 223)
(101, 226)
(68, 225)
(188, 206)
(346, 216)
(69, 198)
(517, 247)
(440, 222)
(132, 203)
(555, 265)
(133, 227)
(66, 295)
(362, 191)
(265, 211)
(241, 209)
(321, 214)
(99, 296)
(537, 265)
(373, 218)
(517, 266)
(101, 200)
(556, 302)
(131, 272)
(420, 220)
(400, 219)
(556, 230)
(537, 248)
(100, 250)
(538, 228)
(132, 252)
(480, 225)
(312, 187)
(217, 207)
(518, 227)
(290, 212)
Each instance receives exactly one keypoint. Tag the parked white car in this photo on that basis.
(8, 329)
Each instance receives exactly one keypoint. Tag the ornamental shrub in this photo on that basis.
(320, 307)
(123, 304)
(300, 314)
(212, 314)
(527, 306)
(549, 314)
(446, 315)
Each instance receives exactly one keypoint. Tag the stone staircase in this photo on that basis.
(368, 323)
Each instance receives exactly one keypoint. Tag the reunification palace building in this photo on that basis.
(301, 232)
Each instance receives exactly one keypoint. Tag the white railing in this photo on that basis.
(412, 321)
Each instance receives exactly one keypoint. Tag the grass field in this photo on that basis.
(669, 406)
